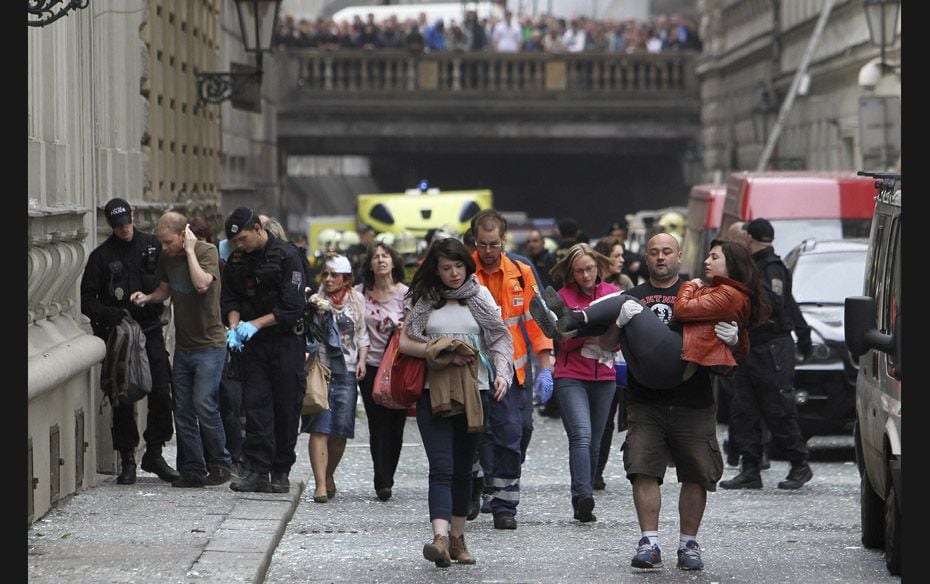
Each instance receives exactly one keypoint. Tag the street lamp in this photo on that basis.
(257, 21)
(761, 112)
(882, 18)
(42, 12)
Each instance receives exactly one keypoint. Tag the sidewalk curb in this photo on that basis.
(247, 537)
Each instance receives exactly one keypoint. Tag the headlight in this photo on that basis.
(821, 352)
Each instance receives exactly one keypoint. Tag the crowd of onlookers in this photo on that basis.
(504, 35)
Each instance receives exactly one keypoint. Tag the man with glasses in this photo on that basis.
(513, 285)
(263, 301)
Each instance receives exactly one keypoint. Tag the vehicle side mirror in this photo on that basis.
(860, 329)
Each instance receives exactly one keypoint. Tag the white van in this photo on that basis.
(873, 334)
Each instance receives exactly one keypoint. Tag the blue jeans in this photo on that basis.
(585, 407)
(450, 449)
(201, 438)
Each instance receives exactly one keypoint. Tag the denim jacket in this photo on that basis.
(322, 330)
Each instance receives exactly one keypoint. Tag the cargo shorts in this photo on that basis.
(657, 434)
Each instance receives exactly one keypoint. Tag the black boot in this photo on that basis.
(748, 478)
(799, 474)
(599, 316)
(127, 475)
(254, 482)
(154, 462)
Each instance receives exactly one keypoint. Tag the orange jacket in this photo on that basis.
(702, 308)
(514, 300)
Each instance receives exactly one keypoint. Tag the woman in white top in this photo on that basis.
(383, 287)
(447, 303)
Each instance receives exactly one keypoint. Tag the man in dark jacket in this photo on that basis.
(119, 267)
(263, 301)
(763, 385)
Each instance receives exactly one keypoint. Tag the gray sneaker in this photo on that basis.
(647, 555)
(689, 557)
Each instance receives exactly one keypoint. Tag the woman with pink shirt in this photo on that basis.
(383, 287)
(585, 379)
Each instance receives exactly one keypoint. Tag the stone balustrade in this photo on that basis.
(380, 73)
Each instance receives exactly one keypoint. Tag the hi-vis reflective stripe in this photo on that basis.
(507, 495)
(504, 483)
(513, 320)
(519, 362)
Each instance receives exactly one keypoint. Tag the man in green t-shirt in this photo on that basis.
(188, 272)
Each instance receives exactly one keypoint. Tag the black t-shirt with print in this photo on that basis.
(696, 392)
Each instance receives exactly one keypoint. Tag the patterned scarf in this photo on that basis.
(493, 330)
(485, 315)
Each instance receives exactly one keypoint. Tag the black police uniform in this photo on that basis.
(269, 280)
(763, 385)
(116, 269)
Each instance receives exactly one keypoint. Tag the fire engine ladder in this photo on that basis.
(795, 84)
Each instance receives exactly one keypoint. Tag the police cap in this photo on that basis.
(118, 212)
(241, 218)
(761, 230)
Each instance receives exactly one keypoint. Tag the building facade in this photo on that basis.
(112, 111)
(752, 52)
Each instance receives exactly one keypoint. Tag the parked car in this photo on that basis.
(823, 274)
(873, 333)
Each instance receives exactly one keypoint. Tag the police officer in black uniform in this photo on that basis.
(763, 385)
(263, 303)
(123, 264)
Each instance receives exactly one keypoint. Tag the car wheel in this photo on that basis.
(872, 509)
(892, 531)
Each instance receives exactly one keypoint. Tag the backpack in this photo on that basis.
(125, 376)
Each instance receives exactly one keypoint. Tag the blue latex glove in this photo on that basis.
(246, 330)
(543, 386)
(232, 340)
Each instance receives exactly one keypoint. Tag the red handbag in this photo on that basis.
(408, 376)
(381, 391)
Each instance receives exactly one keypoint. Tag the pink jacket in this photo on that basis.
(569, 361)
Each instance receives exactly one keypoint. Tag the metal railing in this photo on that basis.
(355, 73)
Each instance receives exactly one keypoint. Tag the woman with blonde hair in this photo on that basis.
(585, 379)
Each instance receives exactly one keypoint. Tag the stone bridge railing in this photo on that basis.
(382, 73)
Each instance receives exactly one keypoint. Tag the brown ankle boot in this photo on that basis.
(438, 551)
(458, 551)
